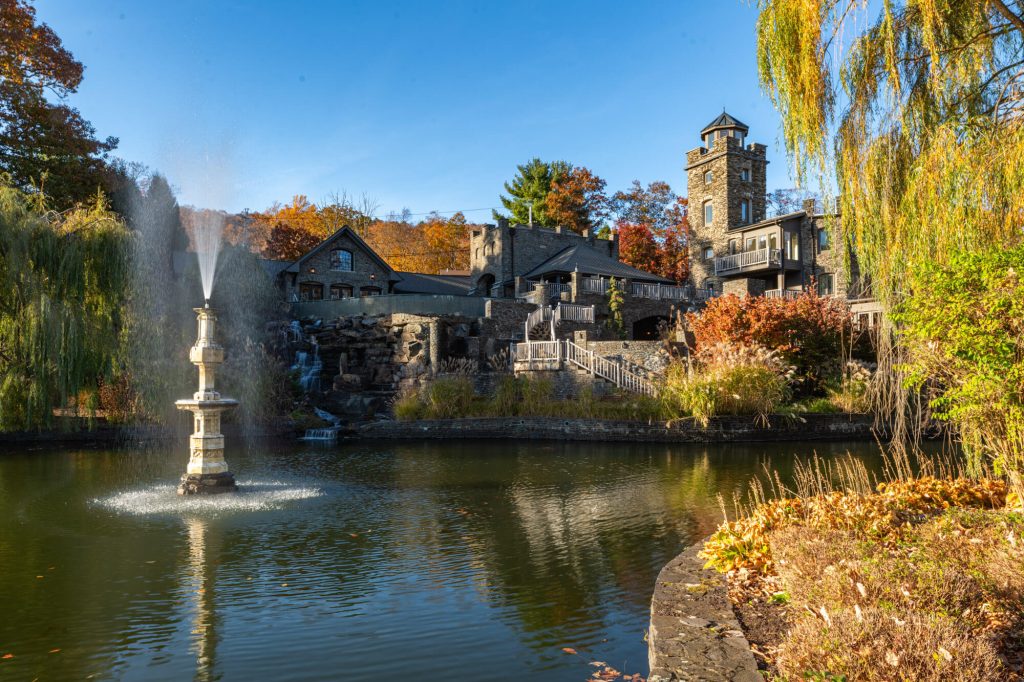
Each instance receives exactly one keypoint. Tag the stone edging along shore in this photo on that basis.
(720, 430)
(694, 633)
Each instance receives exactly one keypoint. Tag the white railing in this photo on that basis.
(544, 352)
(552, 288)
(612, 370)
(781, 293)
(738, 261)
(573, 312)
(595, 285)
(660, 292)
(539, 351)
(536, 317)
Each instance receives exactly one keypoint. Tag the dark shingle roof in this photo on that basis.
(724, 120)
(419, 283)
(296, 266)
(273, 268)
(589, 261)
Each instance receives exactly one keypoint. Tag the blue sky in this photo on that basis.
(419, 105)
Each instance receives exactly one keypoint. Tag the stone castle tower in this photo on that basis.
(726, 186)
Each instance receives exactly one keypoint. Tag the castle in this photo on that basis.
(735, 249)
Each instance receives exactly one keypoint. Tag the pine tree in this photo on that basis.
(531, 186)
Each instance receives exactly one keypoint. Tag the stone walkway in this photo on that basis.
(694, 634)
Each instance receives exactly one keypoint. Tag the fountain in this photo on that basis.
(207, 470)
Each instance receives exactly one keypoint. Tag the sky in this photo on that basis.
(418, 105)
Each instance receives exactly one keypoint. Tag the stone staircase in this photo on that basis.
(542, 323)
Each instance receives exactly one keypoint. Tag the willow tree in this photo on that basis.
(913, 111)
(62, 284)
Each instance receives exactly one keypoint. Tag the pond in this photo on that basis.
(458, 560)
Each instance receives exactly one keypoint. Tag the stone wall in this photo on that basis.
(649, 355)
(506, 317)
(822, 427)
(694, 632)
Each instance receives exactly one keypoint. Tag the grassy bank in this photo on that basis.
(919, 579)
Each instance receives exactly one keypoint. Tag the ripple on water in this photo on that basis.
(251, 496)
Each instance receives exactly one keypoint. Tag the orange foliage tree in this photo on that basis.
(577, 200)
(435, 244)
(813, 333)
(653, 229)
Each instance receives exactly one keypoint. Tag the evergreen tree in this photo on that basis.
(531, 186)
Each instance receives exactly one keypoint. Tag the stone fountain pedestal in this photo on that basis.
(207, 471)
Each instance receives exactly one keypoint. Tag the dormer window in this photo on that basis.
(341, 259)
(707, 177)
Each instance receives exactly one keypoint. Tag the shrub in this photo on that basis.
(727, 380)
(448, 397)
(808, 331)
(408, 406)
(963, 328)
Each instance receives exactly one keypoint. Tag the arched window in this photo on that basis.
(341, 291)
(311, 291)
(341, 259)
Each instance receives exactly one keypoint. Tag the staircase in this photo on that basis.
(541, 323)
(548, 355)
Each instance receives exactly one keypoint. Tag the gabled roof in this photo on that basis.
(590, 261)
(297, 265)
(273, 268)
(724, 120)
(420, 283)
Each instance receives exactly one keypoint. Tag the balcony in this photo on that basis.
(782, 293)
(748, 260)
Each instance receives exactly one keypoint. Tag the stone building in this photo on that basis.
(341, 266)
(501, 253)
(735, 248)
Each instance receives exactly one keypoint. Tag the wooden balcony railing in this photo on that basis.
(747, 259)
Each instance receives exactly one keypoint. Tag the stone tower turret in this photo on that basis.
(726, 186)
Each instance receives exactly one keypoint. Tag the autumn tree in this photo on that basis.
(637, 246)
(288, 242)
(786, 200)
(44, 144)
(653, 229)
(577, 200)
(446, 240)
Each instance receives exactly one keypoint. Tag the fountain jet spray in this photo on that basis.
(208, 231)
(207, 470)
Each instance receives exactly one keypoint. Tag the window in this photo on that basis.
(762, 242)
(792, 242)
(824, 243)
(732, 246)
(369, 291)
(709, 253)
(745, 175)
(708, 213)
(707, 177)
(826, 284)
(311, 291)
(750, 244)
(745, 211)
(341, 259)
(341, 291)
(773, 242)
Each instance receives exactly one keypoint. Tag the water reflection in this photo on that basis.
(203, 550)
(409, 561)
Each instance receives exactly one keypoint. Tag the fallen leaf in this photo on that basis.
(945, 654)
(353, 535)
(6, 656)
(54, 651)
(598, 664)
(892, 659)
(284, 584)
(568, 650)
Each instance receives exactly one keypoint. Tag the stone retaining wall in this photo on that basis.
(720, 430)
(694, 632)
